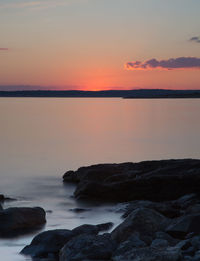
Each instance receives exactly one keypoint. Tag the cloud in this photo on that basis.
(195, 39)
(170, 64)
(38, 4)
(4, 49)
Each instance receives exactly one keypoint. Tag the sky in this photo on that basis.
(99, 44)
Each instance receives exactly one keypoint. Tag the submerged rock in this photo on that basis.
(148, 180)
(14, 221)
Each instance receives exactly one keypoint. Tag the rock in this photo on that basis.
(91, 229)
(133, 241)
(80, 210)
(162, 235)
(47, 243)
(185, 201)
(184, 225)
(145, 221)
(165, 208)
(50, 242)
(193, 209)
(2, 198)
(88, 247)
(150, 254)
(159, 243)
(195, 241)
(162, 180)
(15, 221)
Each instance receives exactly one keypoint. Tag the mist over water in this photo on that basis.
(41, 138)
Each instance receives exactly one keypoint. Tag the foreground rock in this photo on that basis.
(15, 221)
(88, 247)
(48, 244)
(149, 180)
(145, 221)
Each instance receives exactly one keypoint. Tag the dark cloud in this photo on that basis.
(3, 49)
(170, 64)
(195, 39)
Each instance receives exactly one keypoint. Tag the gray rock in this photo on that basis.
(88, 247)
(133, 241)
(159, 243)
(48, 242)
(150, 254)
(162, 235)
(165, 208)
(91, 229)
(184, 225)
(195, 241)
(145, 221)
(15, 221)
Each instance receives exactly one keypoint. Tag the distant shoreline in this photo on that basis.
(126, 94)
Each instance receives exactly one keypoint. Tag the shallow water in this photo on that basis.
(42, 138)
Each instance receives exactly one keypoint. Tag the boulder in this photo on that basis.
(15, 221)
(48, 242)
(88, 247)
(143, 220)
(184, 225)
(149, 180)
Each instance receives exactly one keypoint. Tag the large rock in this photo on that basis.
(88, 247)
(145, 221)
(148, 180)
(184, 225)
(15, 221)
(49, 243)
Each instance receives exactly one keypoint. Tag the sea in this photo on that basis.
(42, 138)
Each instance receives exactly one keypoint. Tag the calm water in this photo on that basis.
(42, 138)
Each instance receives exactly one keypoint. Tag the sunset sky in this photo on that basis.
(100, 44)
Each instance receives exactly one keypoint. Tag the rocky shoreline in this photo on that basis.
(160, 206)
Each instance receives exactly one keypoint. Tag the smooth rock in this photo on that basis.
(14, 221)
(48, 242)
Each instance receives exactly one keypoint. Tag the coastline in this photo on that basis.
(159, 203)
